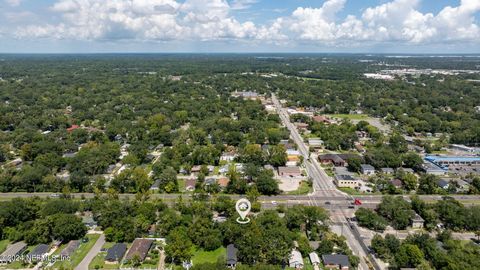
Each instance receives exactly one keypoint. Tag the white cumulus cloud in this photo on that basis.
(394, 21)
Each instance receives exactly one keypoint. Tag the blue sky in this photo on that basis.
(387, 26)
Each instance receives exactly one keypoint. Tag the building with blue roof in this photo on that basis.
(445, 161)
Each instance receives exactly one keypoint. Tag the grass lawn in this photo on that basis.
(350, 116)
(304, 188)
(100, 259)
(181, 184)
(79, 254)
(352, 191)
(201, 256)
(3, 245)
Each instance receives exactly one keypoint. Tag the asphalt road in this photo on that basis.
(92, 253)
(322, 183)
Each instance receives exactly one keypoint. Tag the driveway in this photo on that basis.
(92, 253)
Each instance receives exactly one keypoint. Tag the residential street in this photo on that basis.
(92, 253)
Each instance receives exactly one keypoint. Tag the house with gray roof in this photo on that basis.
(231, 256)
(336, 261)
(12, 251)
(367, 169)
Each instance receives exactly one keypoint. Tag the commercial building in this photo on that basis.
(445, 161)
(346, 181)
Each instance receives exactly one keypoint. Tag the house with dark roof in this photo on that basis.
(443, 183)
(38, 253)
(336, 261)
(231, 256)
(140, 248)
(116, 253)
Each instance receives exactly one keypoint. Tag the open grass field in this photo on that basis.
(201, 256)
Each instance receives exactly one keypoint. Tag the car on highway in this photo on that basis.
(328, 203)
(54, 195)
(274, 202)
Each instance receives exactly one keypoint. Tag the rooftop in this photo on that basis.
(116, 252)
(336, 259)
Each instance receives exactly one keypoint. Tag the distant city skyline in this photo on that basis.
(242, 26)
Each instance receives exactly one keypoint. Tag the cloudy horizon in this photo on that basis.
(343, 26)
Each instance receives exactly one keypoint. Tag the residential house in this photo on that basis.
(387, 170)
(367, 169)
(87, 220)
(156, 185)
(196, 169)
(224, 169)
(321, 119)
(38, 253)
(228, 157)
(223, 182)
(190, 184)
(315, 142)
(463, 186)
(301, 126)
(336, 261)
(295, 260)
(360, 148)
(210, 181)
(396, 183)
(314, 259)
(140, 248)
(12, 252)
(289, 171)
(231, 256)
(443, 183)
(115, 253)
(417, 221)
(70, 248)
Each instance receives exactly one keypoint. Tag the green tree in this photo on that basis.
(408, 256)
